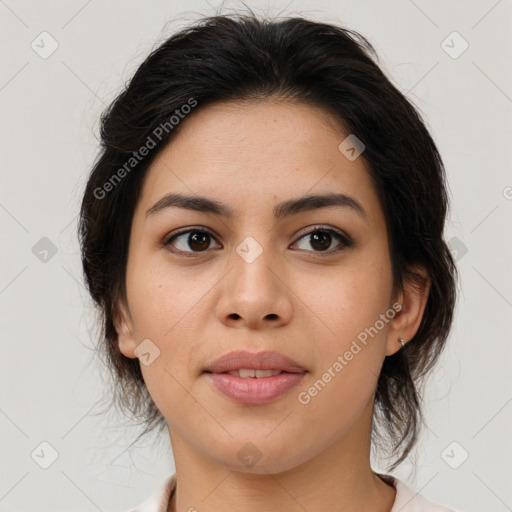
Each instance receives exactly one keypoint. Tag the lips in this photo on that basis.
(242, 359)
(254, 378)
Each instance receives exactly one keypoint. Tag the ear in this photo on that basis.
(124, 328)
(413, 298)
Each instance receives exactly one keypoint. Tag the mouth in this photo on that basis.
(254, 378)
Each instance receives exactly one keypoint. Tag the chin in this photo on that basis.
(264, 458)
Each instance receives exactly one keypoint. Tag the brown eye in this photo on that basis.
(193, 240)
(320, 239)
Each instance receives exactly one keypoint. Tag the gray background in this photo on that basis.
(50, 108)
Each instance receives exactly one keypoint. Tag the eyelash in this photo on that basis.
(344, 239)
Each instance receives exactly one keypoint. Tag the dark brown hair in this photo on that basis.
(240, 57)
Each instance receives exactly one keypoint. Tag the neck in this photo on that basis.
(339, 478)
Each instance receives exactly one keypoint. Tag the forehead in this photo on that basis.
(251, 155)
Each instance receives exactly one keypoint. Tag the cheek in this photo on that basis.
(348, 308)
(347, 299)
(164, 298)
(167, 306)
(350, 352)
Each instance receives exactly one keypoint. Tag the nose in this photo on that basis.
(255, 294)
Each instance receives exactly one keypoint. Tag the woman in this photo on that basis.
(263, 235)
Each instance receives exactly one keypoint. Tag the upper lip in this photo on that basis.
(266, 360)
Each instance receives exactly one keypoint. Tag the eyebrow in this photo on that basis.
(285, 209)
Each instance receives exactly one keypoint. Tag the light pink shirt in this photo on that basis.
(406, 500)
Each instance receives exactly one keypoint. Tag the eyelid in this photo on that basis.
(324, 227)
(181, 231)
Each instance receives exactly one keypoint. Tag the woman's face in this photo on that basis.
(259, 282)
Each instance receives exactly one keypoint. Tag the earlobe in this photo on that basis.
(413, 300)
(124, 329)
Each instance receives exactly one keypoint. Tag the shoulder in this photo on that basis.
(407, 500)
(159, 500)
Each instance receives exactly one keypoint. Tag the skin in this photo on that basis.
(251, 156)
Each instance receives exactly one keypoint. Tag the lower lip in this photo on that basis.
(253, 390)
